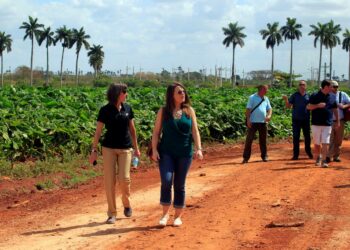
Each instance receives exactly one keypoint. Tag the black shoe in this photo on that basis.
(310, 155)
(127, 211)
(336, 159)
(328, 160)
(294, 158)
(265, 159)
(244, 161)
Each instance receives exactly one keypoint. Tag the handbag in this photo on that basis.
(246, 121)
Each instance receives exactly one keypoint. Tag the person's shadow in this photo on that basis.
(122, 230)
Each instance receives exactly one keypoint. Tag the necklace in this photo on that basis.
(177, 114)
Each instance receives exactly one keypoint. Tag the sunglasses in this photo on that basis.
(124, 91)
(180, 92)
(335, 87)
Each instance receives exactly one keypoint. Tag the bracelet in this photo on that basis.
(199, 149)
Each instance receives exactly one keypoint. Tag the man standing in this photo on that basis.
(300, 119)
(258, 114)
(343, 101)
(322, 109)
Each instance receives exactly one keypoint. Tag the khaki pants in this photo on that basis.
(336, 140)
(116, 162)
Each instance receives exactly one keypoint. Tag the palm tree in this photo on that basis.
(235, 36)
(48, 35)
(5, 44)
(274, 36)
(32, 29)
(319, 31)
(96, 56)
(80, 39)
(63, 35)
(346, 46)
(331, 40)
(291, 31)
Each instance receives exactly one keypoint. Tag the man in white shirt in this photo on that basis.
(343, 101)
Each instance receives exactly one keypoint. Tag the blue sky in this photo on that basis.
(171, 33)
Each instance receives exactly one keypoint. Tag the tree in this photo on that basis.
(274, 36)
(235, 36)
(65, 36)
(96, 56)
(346, 46)
(47, 35)
(291, 31)
(331, 40)
(319, 31)
(79, 39)
(5, 45)
(32, 30)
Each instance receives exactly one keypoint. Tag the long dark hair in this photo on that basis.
(170, 102)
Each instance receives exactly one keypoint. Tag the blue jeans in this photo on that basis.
(173, 168)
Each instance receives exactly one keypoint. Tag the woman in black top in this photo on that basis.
(118, 119)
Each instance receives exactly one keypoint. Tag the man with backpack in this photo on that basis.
(258, 114)
(337, 134)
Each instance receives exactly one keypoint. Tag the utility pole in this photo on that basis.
(325, 70)
(140, 72)
(243, 77)
(133, 72)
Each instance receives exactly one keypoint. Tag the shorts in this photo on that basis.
(321, 134)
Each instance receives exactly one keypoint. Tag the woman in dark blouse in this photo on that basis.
(118, 144)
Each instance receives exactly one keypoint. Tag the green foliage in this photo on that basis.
(45, 123)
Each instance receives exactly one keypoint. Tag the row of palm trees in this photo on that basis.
(67, 37)
(326, 34)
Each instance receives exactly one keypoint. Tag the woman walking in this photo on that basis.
(175, 127)
(118, 119)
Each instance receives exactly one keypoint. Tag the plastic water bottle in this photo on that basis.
(135, 162)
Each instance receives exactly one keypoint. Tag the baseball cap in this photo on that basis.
(335, 83)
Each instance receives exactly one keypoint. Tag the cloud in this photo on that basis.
(157, 34)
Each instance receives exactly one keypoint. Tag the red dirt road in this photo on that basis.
(228, 207)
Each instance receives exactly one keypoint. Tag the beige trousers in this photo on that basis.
(336, 140)
(116, 163)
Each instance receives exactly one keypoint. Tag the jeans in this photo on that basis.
(297, 126)
(262, 128)
(173, 169)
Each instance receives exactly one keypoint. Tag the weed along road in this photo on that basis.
(280, 204)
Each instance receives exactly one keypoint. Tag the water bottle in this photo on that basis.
(135, 162)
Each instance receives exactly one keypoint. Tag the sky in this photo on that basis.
(151, 35)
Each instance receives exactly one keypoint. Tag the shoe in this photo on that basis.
(294, 158)
(336, 159)
(110, 220)
(310, 155)
(266, 159)
(318, 161)
(177, 222)
(244, 161)
(164, 220)
(324, 164)
(328, 160)
(127, 211)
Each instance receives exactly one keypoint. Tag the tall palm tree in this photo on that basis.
(65, 36)
(235, 36)
(5, 44)
(331, 40)
(47, 35)
(80, 39)
(291, 31)
(274, 37)
(319, 31)
(32, 30)
(96, 56)
(346, 46)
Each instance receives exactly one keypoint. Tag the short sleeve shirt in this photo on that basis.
(340, 97)
(322, 116)
(299, 103)
(116, 122)
(259, 114)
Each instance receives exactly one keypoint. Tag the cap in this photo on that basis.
(335, 83)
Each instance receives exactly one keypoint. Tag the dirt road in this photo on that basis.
(229, 206)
